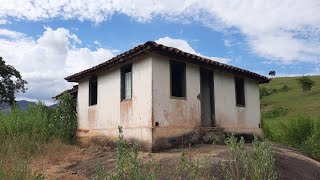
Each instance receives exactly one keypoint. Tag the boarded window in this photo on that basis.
(240, 98)
(178, 79)
(126, 82)
(93, 90)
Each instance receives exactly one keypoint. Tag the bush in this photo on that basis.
(296, 131)
(267, 92)
(313, 142)
(275, 112)
(65, 119)
(187, 169)
(245, 163)
(129, 166)
(284, 88)
(306, 83)
(264, 92)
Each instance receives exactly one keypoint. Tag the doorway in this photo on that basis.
(207, 97)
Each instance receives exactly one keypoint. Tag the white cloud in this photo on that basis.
(184, 46)
(296, 74)
(6, 33)
(283, 30)
(97, 43)
(44, 62)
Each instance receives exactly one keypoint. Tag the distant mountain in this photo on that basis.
(53, 106)
(23, 104)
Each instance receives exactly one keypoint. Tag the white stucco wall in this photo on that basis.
(135, 116)
(175, 116)
(227, 114)
(151, 102)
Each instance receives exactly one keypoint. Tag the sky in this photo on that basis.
(47, 40)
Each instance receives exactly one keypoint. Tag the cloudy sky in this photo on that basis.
(47, 40)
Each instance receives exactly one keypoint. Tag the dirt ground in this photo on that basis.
(76, 163)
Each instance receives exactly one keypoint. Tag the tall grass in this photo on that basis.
(24, 134)
(249, 163)
(302, 133)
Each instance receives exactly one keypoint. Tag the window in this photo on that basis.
(93, 90)
(126, 82)
(178, 79)
(240, 98)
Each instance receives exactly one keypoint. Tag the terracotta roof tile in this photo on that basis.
(153, 47)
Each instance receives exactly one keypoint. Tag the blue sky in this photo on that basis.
(48, 40)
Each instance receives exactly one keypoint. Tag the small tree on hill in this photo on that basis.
(11, 82)
(272, 73)
(306, 83)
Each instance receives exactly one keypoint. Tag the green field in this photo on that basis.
(290, 116)
(294, 99)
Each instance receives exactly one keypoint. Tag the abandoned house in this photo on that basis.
(162, 96)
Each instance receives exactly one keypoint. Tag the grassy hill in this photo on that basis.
(294, 99)
(291, 117)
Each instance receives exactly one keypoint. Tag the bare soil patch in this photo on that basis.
(76, 163)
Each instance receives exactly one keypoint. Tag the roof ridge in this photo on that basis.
(152, 46)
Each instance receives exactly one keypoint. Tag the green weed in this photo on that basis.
(302, 133)
(246, 163)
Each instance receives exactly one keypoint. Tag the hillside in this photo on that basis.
(22, 104)
(291, 117)
(294, 99)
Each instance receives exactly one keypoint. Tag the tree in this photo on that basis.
(272, 73)
(11, 82)
(306, 83)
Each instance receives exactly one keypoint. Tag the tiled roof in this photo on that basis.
(74, 89)
(153, 47)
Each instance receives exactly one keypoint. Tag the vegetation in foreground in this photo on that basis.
(243, 163)
(26, 134)
(291, 112)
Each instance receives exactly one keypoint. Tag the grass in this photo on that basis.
(292, 117)
(249, 163)
(294, 99)
(26, 134)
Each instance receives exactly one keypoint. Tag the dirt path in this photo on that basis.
(81, 164)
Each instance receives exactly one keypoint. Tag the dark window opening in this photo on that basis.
(126, 82)
(93, 90)
(178, 79)
(240, 97)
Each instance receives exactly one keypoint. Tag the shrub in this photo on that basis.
(129, 166)
(187, 169)
(245, 163)
(297, 131)
(284, 88)
(275, 112)
(65, 119)
(313, 143)
(264, 92)
(306, 83)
